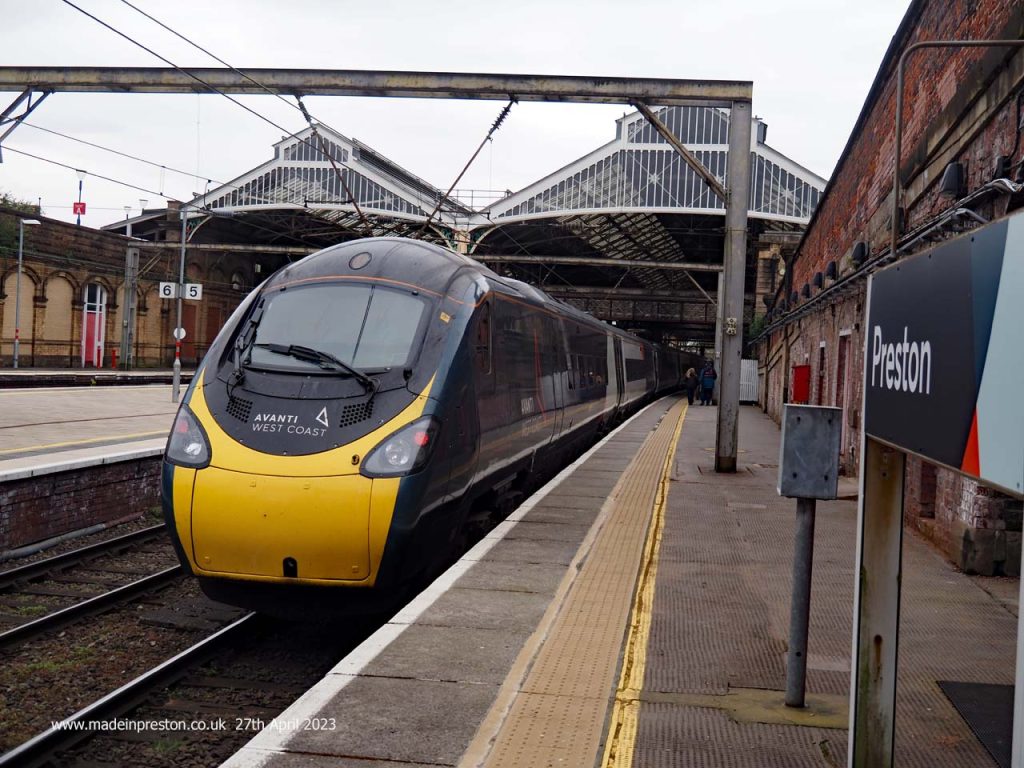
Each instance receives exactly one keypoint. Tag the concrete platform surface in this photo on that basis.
(48, 427)
(495, 663)
(86, 377)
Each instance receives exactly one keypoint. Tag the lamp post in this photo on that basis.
(176, 379)
(81, 177)
(17, 286)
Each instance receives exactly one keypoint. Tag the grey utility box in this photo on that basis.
(809, 455)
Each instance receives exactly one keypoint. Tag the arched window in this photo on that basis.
(94, 317)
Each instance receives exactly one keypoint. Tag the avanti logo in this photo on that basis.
(904, 366)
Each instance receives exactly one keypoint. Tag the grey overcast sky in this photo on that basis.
(811, 61)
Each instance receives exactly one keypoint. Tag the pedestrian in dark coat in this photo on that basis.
(708, 374)
(690, 384)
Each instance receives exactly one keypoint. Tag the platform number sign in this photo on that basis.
(190, 292)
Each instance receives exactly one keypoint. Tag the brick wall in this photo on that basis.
(60, 259)
(800, 343)
(38, 508)
(942, 85)
(959, 105)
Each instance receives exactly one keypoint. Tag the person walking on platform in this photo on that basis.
(708, 374)
(690, 384)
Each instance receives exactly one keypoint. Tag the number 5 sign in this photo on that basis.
(193, 291)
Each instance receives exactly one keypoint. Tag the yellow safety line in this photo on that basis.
(622, 728)
(30, 448)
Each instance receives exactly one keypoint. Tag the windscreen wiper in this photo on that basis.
(241, 346)
(323, 359)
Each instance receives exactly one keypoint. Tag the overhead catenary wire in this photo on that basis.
(127, 155)
(153, 163)
(494, 127)
(208, 86)
(330, 157)
(112, 180)
(96, 175)
(311, 120)
(323, 148)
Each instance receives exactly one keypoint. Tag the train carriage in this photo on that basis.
(369, 405)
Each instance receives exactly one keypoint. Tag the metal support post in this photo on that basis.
(131, 286)
(1017, 750)
(719, 320)
(738, 180)
(800, 609)
(176, 382)
(876, 607)
(17, 292)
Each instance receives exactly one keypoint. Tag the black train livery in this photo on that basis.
(366, 406)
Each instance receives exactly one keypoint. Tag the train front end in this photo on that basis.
(309, 453)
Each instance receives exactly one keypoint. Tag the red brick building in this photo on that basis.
(72, 293)
(960, 166)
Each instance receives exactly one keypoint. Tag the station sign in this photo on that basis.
(191, 292)
(944, 356)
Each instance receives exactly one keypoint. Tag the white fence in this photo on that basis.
(748, 381)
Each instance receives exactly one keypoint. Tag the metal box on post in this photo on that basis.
(809, 453)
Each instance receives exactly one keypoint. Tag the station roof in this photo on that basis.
(629, 216)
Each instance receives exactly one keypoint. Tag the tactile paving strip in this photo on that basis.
(721, 612)
(557, 716)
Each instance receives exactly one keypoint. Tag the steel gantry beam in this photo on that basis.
(596, 261)
(735, 95)
(356, 82)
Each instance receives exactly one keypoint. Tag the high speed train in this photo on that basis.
(367, 406)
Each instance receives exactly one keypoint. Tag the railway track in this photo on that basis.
(48, 594)
(216, 693)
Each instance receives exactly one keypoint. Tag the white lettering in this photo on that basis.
(913, 364)
(926, 368)
(292, 429)
(876, 352)
(275, 418)
(905, 366)
(905, 350)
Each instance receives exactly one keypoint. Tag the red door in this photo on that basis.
(821, 377)
(188, 322)
(801, 384)
(94, 317)
(842, 384)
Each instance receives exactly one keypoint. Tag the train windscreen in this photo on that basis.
(368, 327)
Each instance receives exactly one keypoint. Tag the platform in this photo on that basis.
(59, 427)
(86, 377)
(635, 612)
(72, 458)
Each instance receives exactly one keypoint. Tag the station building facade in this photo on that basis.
(962, 164)
(72, 293)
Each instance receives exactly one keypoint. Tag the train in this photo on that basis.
(370, 406)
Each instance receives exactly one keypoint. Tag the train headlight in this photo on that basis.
(405, 451)
(187, 444)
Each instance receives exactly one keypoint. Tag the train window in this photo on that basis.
(482, 348)
(392, 320)
(369, 327)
